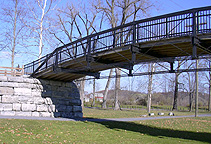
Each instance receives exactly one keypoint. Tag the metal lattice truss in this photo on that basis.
(167, 38)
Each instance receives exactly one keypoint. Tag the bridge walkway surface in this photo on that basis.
(157, 39)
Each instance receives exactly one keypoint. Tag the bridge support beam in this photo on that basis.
(75, 71)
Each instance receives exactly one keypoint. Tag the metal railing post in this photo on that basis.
(194, 55)
(114, 38)
(88, 55)
(55, 66)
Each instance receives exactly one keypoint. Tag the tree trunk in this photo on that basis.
(106, 90)
(176, 88)
(190, 101)
(14, 34)
(149, 95)
(81, 90)
(93, 102)
(117, 88)
(175, 92)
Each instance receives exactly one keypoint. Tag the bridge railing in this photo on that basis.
(184, 23)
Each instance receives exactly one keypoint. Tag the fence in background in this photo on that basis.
(11, 71)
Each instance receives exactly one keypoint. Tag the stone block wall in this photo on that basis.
(22, 96)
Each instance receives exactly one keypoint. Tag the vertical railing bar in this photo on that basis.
(134, 33)
(114, 38)
(166, 27)
(33, 67)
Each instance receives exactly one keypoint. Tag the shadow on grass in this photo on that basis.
(154, 131)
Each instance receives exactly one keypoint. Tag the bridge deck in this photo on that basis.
(162, 38)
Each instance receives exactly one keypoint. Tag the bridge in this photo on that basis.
(156, 39)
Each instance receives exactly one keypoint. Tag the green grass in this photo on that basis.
(109, 113)
(164, 107)
(172, 131)
(182, 130)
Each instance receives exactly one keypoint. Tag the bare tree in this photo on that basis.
(93, 102)
(105, 94)
(75, 23)
(151, 68)
(13, 36)
(38, 22)
(119, 12)
(176, 87)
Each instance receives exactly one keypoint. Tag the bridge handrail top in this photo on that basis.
(126, 25)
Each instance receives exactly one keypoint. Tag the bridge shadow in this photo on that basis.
(152, 130)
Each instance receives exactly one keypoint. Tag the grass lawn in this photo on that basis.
(109, 113)
(180, 130)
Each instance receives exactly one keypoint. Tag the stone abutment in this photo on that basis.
(23, 96)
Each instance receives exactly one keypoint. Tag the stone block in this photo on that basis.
(3, 78)
(45, 114)
(46, 93)
(29, 107)
(44, 82)
(61, 101)
(6, 91)
(76, 102)
(67, 114)
(69, 108)
(51, 108)
(7, 107)
(35, 114)
(9, 99)
(57, 114)
(63, 89)
(54, 88)
(9, 84)
(23, 113)
(15, 79)
(36, 81)
(7, 113)
(36, 92)
(78, 115)
(58, 94)
(24, 99)
(70, 85)
(77, 109)
(36, 86)
(16, 107)
(42, 108)
(56, 83)
(61, 108)
(48, 101)
(28, 80)
(22, 91)
(39, 100)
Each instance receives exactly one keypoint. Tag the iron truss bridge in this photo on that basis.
(156, 39)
